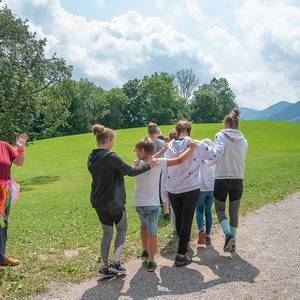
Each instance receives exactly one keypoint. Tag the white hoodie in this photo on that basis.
(185, 177)
(233, 147)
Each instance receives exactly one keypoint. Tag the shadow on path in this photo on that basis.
(171, 280)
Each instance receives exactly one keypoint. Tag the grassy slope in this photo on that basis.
(53, 213)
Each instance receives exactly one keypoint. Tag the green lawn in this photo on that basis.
(53, 214)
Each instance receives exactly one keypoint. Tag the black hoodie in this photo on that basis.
(108, 188)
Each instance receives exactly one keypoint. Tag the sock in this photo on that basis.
(233, 231)
(225, 227)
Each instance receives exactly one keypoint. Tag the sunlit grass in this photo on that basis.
(53, 214)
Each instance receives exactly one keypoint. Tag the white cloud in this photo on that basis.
(111, 53)
(260, 89)
(194, 10)
(254, 44)
(221, 39)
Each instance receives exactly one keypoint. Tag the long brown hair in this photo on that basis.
(182, 126)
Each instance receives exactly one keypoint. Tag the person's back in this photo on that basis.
(232, 163)
(146, 201)
(146, 196)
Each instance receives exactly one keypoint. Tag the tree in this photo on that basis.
(223, 97)
(117, 102)
(185, 81)
(212, 102)
(136, 109)
(88, 106)
(203, 109)
(162, 99)
(24, 72)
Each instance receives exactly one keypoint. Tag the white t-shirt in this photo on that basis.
(146, 190)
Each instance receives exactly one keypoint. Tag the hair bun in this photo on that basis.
(236, 113)
(98, 129)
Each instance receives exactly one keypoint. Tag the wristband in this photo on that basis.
(20, 151)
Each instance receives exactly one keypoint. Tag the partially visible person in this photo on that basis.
(146, 195)
(206, 200)
(183, 185)
(108, 196)
(161, 137)
(164, 193)
(8, 191)
(230, 169)
(172, 134)
(166, 140)
(154, 132)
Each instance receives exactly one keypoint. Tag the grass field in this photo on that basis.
(55, 232)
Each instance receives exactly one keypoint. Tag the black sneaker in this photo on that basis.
(117, 268)
(182, 259)
(151, 266)
(167, 216)
(106, 273)
(229, 242)
(145, 255)
(207, 240)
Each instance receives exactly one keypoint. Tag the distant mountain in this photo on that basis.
(290, 114)
(252, 114)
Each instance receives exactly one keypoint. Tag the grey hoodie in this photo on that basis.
(234, 147)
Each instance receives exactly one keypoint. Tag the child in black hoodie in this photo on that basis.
(108, 196)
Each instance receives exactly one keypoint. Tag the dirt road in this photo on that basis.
(266, 265)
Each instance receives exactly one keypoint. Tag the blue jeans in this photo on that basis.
(205, 203)
(149, 216)
(3, 234)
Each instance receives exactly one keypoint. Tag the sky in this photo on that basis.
(254, 44)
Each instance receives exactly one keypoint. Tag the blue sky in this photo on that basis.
(254, 44)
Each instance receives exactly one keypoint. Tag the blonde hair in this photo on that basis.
(102, 133)
(182, 126)
(233, 119)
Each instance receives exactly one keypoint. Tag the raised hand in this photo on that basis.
(21, 141)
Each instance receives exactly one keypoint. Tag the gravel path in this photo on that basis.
(265, 266)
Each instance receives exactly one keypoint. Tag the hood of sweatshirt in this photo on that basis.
(234, 134)
(96, 157)
(176, 147)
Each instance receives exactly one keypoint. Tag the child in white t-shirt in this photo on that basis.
(146, 195)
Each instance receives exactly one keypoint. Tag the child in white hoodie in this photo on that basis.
(183, 185)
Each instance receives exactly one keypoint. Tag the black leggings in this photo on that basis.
(233, 188)
(184, 205)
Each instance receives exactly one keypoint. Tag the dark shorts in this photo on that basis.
(109, 218)
(231, 187)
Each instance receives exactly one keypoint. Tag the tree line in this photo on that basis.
(38, 96)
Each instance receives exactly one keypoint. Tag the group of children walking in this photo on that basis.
(191, 174)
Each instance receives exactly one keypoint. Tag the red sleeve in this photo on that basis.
(13, 153)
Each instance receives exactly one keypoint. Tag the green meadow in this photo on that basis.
(55, 232)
